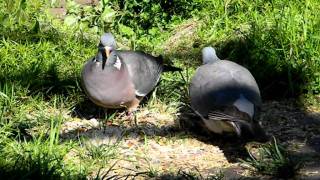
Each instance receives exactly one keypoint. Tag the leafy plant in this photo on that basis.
(96, 19)
(20, 17)
(136, 14)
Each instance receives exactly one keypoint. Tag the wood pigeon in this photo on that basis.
(226, 97)
(121, 78)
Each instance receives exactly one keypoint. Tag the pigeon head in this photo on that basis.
(258, 132)
(106, 61)
(252, 130)
(107, 43)
(209, 55)
(112, 61)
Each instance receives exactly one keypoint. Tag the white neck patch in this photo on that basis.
(139, 94)
(117, 64)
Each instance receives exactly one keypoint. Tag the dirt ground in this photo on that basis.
(166, 143)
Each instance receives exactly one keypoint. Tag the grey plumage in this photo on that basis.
(100, 83)
(107, 39)
(209, 55)
(145, 70)
(117, 78)
(225, 95)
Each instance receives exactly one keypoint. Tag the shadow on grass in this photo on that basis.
(17, 173)
(48, 33)
(86, 109)
(46, 82)
(46, 73)
(295, 129)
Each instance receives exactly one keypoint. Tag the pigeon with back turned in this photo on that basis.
(121, 78)
(226, 97)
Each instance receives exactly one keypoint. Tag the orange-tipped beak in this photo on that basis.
(108, 50)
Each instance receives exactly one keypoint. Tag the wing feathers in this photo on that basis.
(219, 116)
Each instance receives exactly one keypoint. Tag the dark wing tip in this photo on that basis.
(168, 68)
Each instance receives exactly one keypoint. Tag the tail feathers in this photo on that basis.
(243, 127)
(216, 116)
(236, 122)
(167, 68)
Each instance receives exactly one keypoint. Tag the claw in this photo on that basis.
(132, 117)
(130, 113)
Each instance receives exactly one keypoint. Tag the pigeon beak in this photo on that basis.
(108, 50)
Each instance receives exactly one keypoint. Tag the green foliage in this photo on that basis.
(20, 17)
(289, 45)
(44, 65)
(40, 158)
(95, 19)
(276, 40)
(273, 160)
(137, 14)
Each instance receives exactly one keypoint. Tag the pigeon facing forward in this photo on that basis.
(118, 78)
(226, 97)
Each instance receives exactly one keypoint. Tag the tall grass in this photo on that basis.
(277, 40)
(43, 157)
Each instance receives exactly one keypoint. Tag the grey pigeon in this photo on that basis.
(226, 96)
(116, 78)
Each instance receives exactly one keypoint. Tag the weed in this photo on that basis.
(101, 152)
(272, 159)
(180, 175)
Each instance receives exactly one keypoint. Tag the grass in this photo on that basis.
(41, 60)
(272, 159)
(40, 158)
(187, 175)
(100, 153)
(180, 175)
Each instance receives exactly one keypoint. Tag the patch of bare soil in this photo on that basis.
(298, 128)
(158, 143)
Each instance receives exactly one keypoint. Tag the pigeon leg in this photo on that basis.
(133, 105)
(132, 108)
(105, 113)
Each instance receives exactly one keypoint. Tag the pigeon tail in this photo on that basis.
(237, 123)
(242, 127)
(168, 68)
